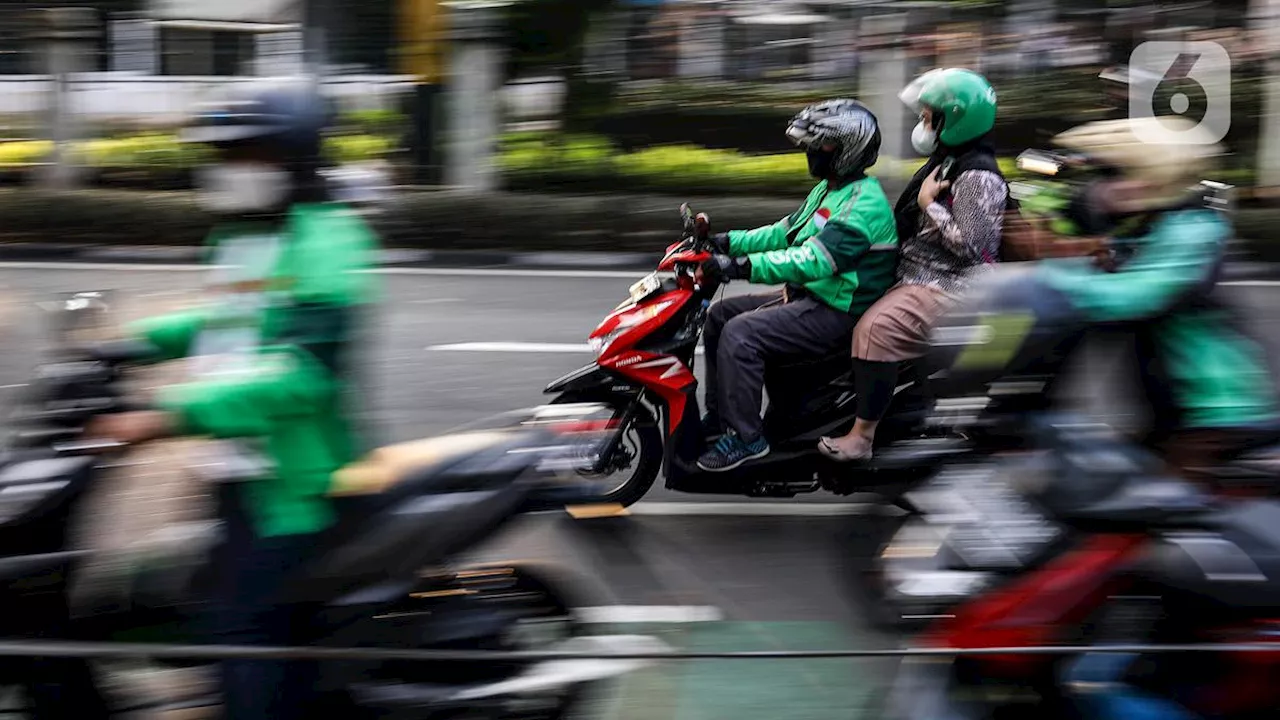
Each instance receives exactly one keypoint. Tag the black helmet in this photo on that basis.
(848, 124)
(290, 117)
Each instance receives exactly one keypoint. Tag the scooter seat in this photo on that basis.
(1146, 502)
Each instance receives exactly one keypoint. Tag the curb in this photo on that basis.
(475, 259)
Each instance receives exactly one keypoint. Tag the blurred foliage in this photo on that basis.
(737, 95)
(164, 150)
(538, 161)
(388, 123)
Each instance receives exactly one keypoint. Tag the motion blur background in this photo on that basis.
(564, 97)
(565, 128)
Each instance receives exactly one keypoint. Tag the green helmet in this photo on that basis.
(965, 99)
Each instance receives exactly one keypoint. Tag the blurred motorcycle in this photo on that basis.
(1087, 543)
(384, 576)
(1083, 538)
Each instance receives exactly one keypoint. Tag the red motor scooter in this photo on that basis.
(644, 368)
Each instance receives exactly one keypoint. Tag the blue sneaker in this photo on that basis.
(730, 451)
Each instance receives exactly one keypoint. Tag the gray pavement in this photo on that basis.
(454, 346)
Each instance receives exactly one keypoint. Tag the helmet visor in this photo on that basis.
(801, 133)
(910, 95)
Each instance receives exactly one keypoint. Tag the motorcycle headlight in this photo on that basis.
(598, 344)
(601, 343)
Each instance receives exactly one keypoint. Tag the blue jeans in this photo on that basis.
(251, 571)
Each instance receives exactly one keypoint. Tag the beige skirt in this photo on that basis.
(897, 326)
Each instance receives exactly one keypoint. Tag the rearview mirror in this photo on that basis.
(686, 218)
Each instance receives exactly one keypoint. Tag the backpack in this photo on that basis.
(1026, 238)
(1022, 238)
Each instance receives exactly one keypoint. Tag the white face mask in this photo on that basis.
(924, 139)
(242, 187)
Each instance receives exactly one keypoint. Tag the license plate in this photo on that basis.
(644, 287)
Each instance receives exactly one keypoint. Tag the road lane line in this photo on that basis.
(667, 614)
(454, 272)
(766, 509)
(516, 347)
(513, 347)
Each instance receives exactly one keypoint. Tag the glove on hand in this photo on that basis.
(725, 268)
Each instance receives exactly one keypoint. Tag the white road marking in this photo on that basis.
(501, 272)
(446, 272)
(764, 509)
(25, 265)
(517, 347)
(649, 614)
(513, 347)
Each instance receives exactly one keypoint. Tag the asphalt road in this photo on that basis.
(453, 346)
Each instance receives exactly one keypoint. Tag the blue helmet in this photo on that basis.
(289, 117)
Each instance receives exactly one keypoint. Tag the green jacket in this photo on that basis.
(280, 352)
(1219, 376)
(841, 245)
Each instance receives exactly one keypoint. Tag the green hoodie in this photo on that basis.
(841, 245)
(275, 355)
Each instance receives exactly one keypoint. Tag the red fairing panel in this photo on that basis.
(634, 323)
(683, 256)
(665, 375)
(1034, 609)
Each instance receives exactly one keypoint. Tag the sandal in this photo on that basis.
(827, 447)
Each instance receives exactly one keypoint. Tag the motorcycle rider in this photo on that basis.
(1214, 377)
(835, 255)
(949, 222)
(273, 371)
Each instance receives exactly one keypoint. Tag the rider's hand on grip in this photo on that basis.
(724, 268)
(702, 224)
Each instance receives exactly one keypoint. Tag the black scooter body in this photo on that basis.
(806, 401)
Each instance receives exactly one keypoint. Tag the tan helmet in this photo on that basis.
(1172, 167)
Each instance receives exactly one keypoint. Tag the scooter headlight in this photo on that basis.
(600, 343)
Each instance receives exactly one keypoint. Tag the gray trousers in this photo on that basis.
(745, 333)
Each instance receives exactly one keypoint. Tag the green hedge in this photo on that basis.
(533, 162)
(424, 219)
(158, 160)
(438, 220)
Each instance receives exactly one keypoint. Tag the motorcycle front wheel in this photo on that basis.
(536, 608)
(636, 460)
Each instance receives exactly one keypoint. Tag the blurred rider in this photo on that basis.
(272, 369)
(835, 255)
(949, 221)
(1219, 395)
